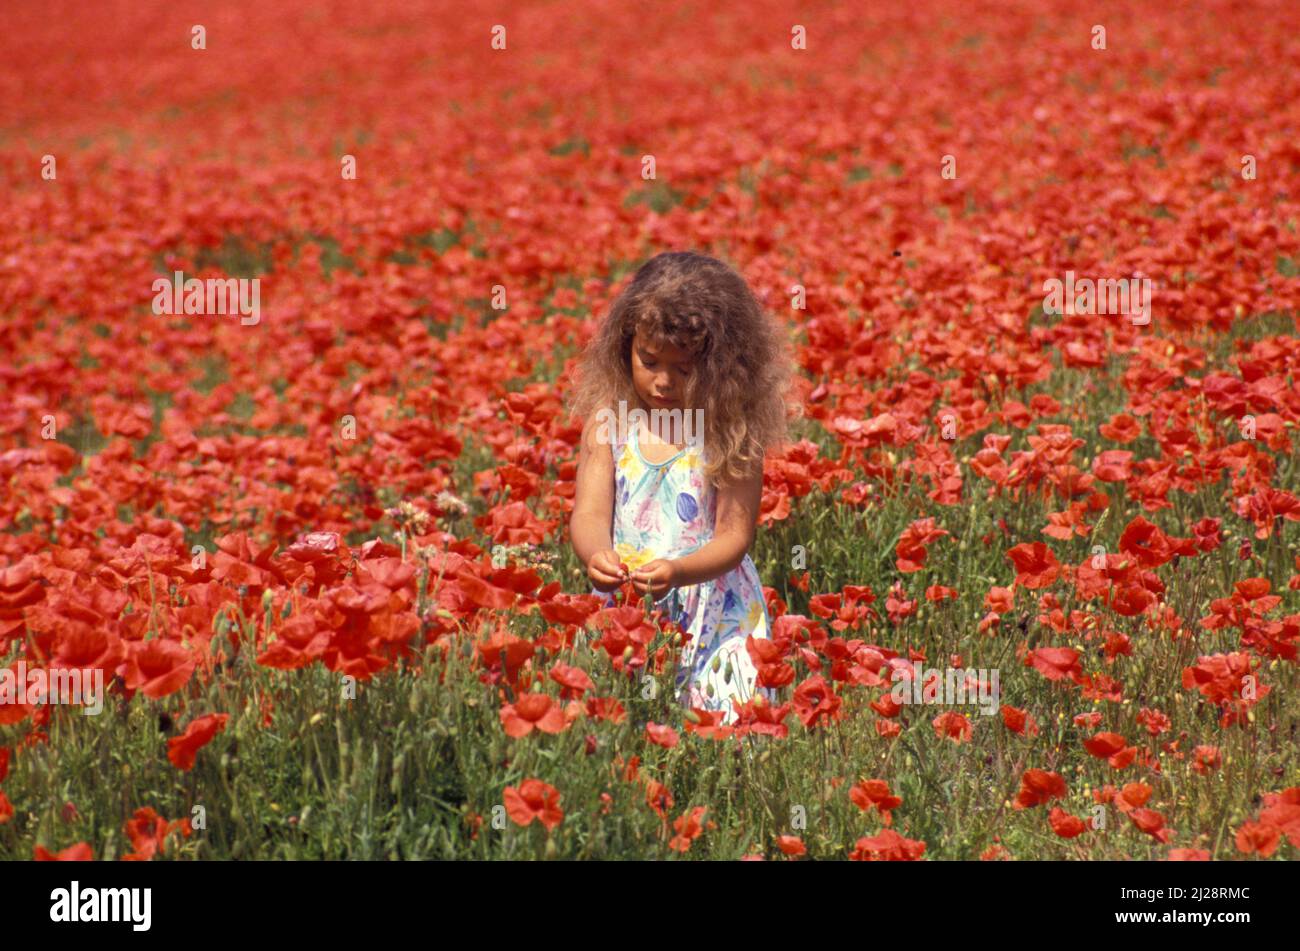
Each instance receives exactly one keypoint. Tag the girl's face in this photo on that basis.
(659, 373)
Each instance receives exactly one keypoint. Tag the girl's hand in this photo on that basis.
(605, 570)
(656, 577)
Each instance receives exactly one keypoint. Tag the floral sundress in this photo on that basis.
(667, 510)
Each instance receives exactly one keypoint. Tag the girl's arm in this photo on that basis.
(733, 533)
(592, 521)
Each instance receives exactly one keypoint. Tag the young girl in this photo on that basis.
(672, 509)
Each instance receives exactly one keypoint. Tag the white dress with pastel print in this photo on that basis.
(667, 510)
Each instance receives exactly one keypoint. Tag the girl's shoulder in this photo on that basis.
(604, 432)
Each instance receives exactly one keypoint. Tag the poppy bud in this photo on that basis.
(627, 653)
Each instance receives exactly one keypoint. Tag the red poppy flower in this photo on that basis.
(532, 711)
(1207, 534)
(157, 668)
(888, 846)
(1018, 721)
(912, 546)
(239, 561)
(815, 701)
(1104, 745)
(1055, 663)
(1152, 823)
(1065, 825)
(148, 832)
(299, 641)
(1150, 546)
(708, 724)
(181, 750)
(791, 845)
(606, 708)
(534, 799)
(952, 725)
(658, 798)
(505, 652)
(573, 681)
(661, 735)
(1112, 465)
(1207, 759)
(1038, 786)
(688, 828)
(875, 793)
(1036, 566)
(1121, 428)
(515, 524)
(999, 600)
(81, 852)
(1282, 812)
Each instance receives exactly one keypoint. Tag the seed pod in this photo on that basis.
(396, 783)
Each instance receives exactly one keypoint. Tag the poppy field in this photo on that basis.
(1031, 562)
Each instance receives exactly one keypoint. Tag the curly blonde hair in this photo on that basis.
(743, 368)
